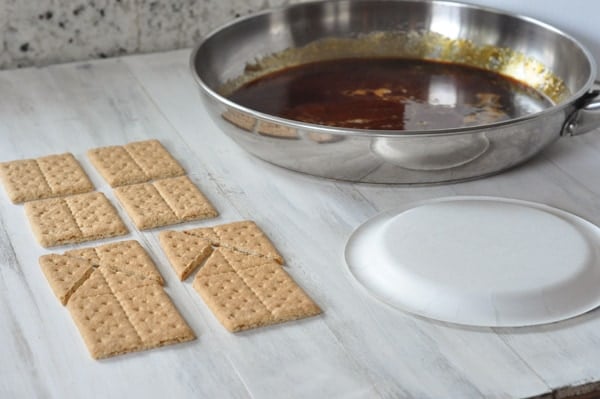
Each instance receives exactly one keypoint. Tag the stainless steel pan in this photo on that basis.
(529, 50)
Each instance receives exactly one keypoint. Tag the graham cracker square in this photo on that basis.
(135, 162)
(232, 302)
(154, 316)
(116, 166)
(164, 202)
(64, 175)
(246, 291)
(52, 222)
(73, 219)
(104, 326)
(145, 206)
(185, 199)
(154, 159)
(45, 177)
(279, 293)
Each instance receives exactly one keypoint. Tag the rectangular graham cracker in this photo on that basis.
(246, 291)
(73, 219)
(164, 202)
(116, 299)
(136, 162)
(46, 177)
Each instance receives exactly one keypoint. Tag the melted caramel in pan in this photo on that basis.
(390, 94)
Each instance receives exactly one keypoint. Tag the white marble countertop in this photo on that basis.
(359, 348)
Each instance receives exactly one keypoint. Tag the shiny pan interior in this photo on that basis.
(530, 51)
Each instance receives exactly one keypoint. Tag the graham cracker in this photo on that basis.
(45, 177)
(279, 293)
(246, 291)
(95, 216)
(164, 202)
(52, 222)
(135, 162)
(188, 249)
(65, 274)
(129, 257)
(73, 219)
(120, 306)
(154, 159)
(127, 320)
(64, 175)
(88, 254)
(119, 281)
(115, 266)
(246, 236)
(239, 261)
(216, 264)
(95, 285)
(116, 166)
(145, 206)
(185, 199)
(185, 251)
(206, 233)
(104, 326)
(232, 302)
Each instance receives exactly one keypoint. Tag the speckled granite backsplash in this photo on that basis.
(44, 32)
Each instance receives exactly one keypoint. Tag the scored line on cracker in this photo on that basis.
(135, 162)
(187, 249)
(164, 202)
(45, 177)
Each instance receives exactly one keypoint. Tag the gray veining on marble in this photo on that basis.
(43, 32)
(54, 31)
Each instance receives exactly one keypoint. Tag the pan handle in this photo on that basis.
(586, 116)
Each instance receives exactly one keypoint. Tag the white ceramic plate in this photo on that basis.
(480, 261)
